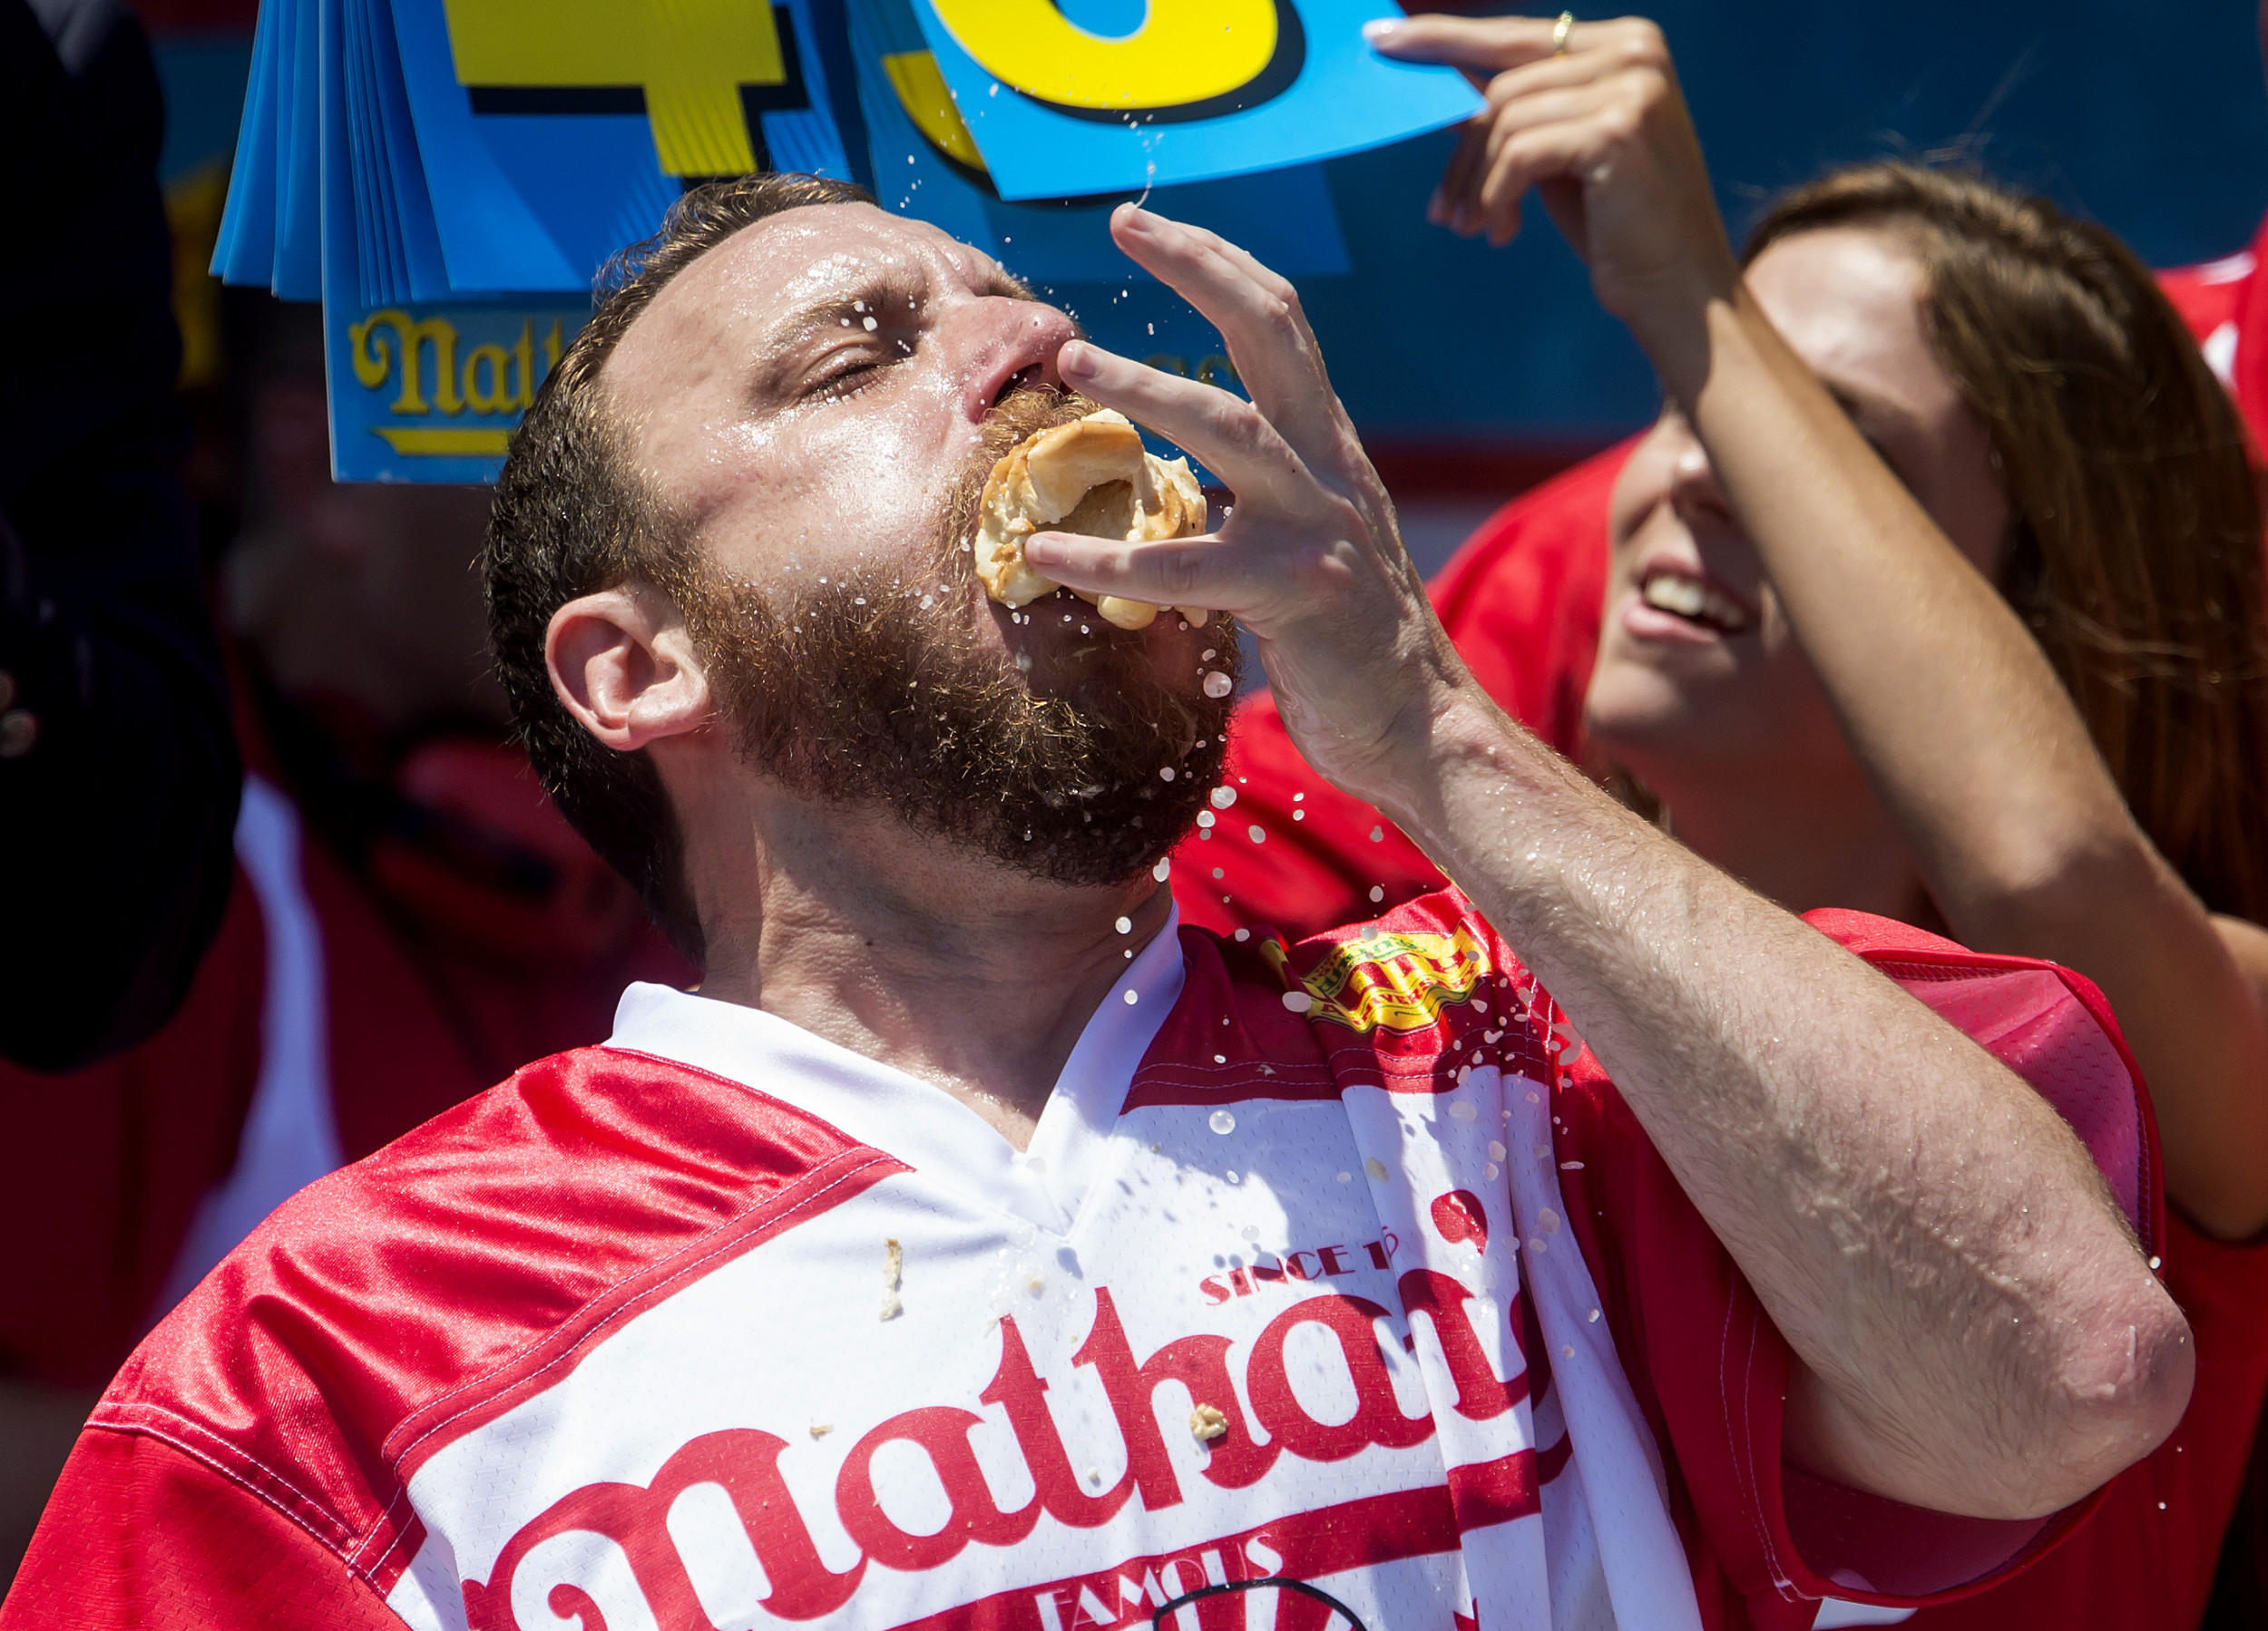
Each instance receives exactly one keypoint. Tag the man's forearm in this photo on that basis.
(1929, 1236)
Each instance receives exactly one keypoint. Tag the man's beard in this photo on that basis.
(869, 692)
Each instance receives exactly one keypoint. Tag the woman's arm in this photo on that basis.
(1971, 743)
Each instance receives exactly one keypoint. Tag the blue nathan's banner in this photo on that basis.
(1079, 96)
(447, 175)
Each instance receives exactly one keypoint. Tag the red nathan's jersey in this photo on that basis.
(1345, 1267)
(1522, 601)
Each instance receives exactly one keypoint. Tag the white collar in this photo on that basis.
(924, 1125)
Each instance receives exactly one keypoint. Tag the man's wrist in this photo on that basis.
(1457, 726)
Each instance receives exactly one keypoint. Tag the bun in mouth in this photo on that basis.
(1091, 477)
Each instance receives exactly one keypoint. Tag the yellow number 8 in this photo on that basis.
(1186, 52)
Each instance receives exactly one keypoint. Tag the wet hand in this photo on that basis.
(1600, 131)
(1308, 556)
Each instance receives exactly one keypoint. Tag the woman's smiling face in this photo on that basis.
(1697, 657)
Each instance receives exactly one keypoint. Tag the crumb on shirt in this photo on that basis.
(1207, 1423)
(893, 1267)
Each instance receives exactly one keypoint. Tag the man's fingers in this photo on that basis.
(1488, 43)
(1230, 436)
(1258, 315)
(1180, 571)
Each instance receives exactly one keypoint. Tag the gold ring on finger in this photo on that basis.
(1559, 31)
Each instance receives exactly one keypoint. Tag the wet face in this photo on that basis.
(1698, 668)
(816, 401)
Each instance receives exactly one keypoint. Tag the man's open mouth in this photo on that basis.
(1682, 595)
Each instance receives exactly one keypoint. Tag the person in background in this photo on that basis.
(1523, 600)
(408, 919)
(118, 776)
(2073, 768)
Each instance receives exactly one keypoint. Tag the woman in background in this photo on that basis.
(1989, 658)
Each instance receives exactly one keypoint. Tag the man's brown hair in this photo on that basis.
(2135, 548)
(571, 517)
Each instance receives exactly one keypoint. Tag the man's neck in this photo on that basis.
(1801, 840)
(922, 956)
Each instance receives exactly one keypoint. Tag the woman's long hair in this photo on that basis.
(2136, 551)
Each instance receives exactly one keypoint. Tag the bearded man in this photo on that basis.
(976, 1248)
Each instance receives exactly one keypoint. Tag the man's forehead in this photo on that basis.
(804, 257)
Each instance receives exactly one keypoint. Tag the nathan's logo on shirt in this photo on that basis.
(1399, 982)
(550, 1562)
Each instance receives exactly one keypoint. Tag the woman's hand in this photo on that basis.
(1601, 129)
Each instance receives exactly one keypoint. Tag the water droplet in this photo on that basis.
(1255, 833)
(1165, 773)
(1216, 872)
(1377, 892)
(1161, 871)
(871, 324)
(1131, 999)
(1497, 1152)
(1377, 835)
(1220, 1058)
(1375, 1167)
(1205, 818)
(1207, 654)
(1462, 1110)
(1299, 1002)
(1221, 1121)
(1571, 1166)
(1222, 797)
(1125, 925)
(1218, 685)
(1548, 1219)
(1244, 935)
(1594, 1317)
(1488, 1170)
(1346, 1177)
(1252, 1231)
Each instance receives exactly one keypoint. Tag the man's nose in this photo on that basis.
(1002, 338)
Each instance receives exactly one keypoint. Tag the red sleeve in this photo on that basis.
(2207, 296)
(1709, 1369)
(1521, 600)
(140, 1536)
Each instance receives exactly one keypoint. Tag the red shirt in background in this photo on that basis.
(1523, 600)
(334, 1013)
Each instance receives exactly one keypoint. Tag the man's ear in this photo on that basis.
(622, 662)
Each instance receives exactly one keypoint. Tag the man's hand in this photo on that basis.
(1308, 557)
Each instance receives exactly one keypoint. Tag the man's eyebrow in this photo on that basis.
(870, 297)
(999, 280)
